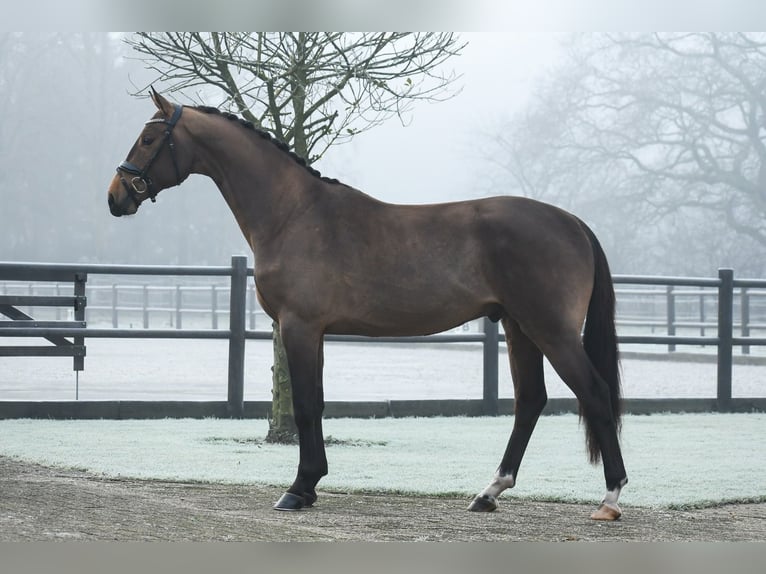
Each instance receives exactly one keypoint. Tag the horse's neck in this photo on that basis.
(261, 184)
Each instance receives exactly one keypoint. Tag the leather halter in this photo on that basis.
(141, 183)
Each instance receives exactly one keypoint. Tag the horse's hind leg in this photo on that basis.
(576, 370)
(530, 398)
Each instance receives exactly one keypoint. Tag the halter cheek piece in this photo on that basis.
(141, 183)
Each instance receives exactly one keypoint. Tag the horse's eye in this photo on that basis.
(146, 140)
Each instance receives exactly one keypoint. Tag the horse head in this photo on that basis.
(155, 162)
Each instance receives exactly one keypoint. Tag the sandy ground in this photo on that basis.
(39, 503)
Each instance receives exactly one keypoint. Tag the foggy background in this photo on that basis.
(68, 119)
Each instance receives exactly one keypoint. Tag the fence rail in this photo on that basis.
(241, 306)
(177, 305)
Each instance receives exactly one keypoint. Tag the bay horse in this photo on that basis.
(331, 259)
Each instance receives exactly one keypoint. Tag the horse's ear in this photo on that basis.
(162, 104)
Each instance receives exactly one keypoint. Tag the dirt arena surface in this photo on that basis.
(41, 503)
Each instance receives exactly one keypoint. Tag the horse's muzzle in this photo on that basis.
(114, 208)
(120, 201)
(123, 206)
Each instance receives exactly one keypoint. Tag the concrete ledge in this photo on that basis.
(370, 409)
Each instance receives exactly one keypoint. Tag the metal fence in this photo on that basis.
(684, 310)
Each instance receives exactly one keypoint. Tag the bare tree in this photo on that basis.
(688, 113)
(658, 122)
(310, 90)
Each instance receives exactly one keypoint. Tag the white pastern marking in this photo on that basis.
(612, 495)
(499, 484)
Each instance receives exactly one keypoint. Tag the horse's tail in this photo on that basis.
(600, 340)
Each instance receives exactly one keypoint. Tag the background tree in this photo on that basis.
(310, 90)
(665, 130)
(47, 163)
(65, 126)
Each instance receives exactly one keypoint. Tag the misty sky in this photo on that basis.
(442, 153)
(447, 152)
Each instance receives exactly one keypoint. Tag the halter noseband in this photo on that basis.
(141, 182)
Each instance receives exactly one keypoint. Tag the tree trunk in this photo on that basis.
(282, 428)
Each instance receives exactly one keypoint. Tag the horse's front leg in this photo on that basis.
(303, 346)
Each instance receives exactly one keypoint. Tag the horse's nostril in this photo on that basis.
(114, 210)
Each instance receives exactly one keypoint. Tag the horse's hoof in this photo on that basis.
(483, 503)
(607, 512)
(290, 501)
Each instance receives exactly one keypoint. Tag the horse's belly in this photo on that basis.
(406, 321)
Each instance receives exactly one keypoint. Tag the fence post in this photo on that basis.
(179, 320)
(671, 318)
(115, 302)
(214, 306)
(57, 292)
(725, 336)
(490, 396)
(237, 308)
(745, 318)
(79, 315)
(145, 303)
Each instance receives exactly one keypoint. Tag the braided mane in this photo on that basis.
(267, 136)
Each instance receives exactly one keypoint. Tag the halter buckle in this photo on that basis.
(139, 184)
